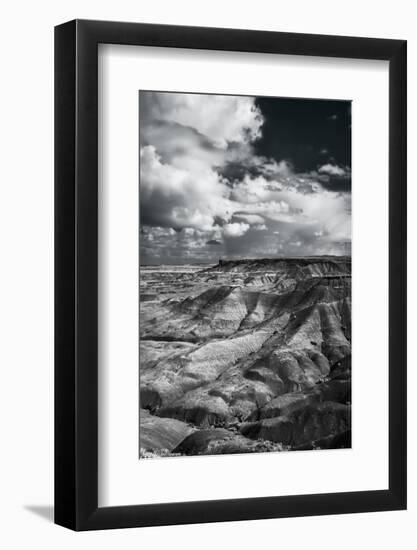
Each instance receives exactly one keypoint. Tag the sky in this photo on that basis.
(242, 177)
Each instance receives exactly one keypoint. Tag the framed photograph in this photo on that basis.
(230, 254)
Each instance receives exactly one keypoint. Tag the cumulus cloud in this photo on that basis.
(177, 197)
(235, 229)
(204, 192)
(332, 170)
(222, 119)
(334, 177)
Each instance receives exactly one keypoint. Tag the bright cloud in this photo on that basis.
(223, 119)
(175, 197)
(332, 170)
(235, 229)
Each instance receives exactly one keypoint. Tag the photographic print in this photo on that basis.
(245, 274)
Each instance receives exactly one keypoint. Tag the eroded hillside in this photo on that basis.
(246, 356)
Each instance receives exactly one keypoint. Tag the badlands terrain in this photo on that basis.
(245, 356)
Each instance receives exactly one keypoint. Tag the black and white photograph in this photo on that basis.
(245, 274)
(206, 218)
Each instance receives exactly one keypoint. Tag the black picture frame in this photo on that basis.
(76, 272)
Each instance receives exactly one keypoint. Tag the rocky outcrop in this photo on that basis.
(312, 422)
(220, 441)
(156, 434)
(314, 265)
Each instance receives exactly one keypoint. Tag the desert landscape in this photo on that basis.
(245, 207)
(248, 355)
